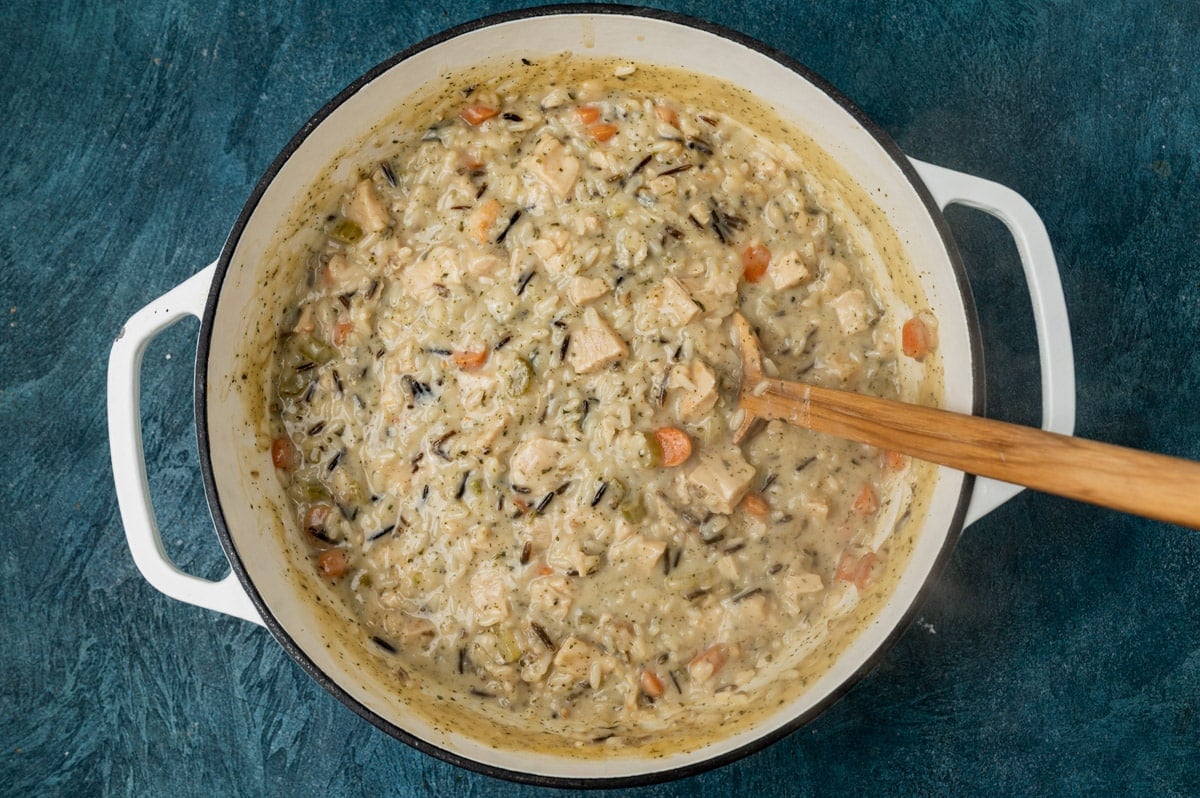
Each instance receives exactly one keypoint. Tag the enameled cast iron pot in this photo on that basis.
(912, 195)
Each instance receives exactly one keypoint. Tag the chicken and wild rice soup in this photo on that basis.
(504, 389)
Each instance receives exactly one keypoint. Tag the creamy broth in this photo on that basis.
(502, 393)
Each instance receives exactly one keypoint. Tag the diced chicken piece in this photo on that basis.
(662, 186)
(366, 210)
(788, 271)
(727, 565)
(852, 311)
(489, 595)
(551, 249)
(701, 213)
(551, 596)
(473, 387)
(673, 303)
(537, 464)
(556, 97)
(595, 346)
(835, 274)
(817, 510)
(803, 584)
(720, 478)
(639, 553)
(582, 290)
(428, 277)
(408, 631)
(566, 552)
(579, 661)
(632, 248)
(752, 611)
(478, 262)
(697, 387)
(554, 165)
(713, 283)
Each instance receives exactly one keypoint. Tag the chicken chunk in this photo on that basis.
(582, 290)
(366, 209)
(852, 311)
(788, 271)
(554, 165)
(596, 345)
(537, 464)
(672, 303)
(489, 594)
(697, 387)
(579, 661)
(639, 553)
(720, 478)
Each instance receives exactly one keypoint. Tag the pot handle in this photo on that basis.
(129, 459)
(1045, 291)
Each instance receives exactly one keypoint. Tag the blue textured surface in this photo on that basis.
(1058, 654)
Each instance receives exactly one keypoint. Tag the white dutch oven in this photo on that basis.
(912, 195)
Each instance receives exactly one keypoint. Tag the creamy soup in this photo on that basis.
(504, 391)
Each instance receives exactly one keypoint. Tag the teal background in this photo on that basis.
(1059, 653)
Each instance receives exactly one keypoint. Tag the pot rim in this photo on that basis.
(297, 653)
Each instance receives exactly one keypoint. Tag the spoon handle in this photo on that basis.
(1142, 483)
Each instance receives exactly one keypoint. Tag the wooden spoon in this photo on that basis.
(1151, 485)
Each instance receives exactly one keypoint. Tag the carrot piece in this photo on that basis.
(477, 114)
(755, 505)
(894, 461)
(755, 260)
(651, 685)
(333, 563)
(341, 331)
(283, 454)
(468, 360)
(708, 662)
(666, 113)
(866, 503)
(676, 445)
(482, 219)
(915, 338)
(857, 569)
(588, 114)
(602, 131)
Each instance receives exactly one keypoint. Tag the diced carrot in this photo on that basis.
(482, 219)
(676, 445)
(469, 160)
(341, 331)
(755, 260)
(915, 338)
(333, 563)
(866, 503)
(544, 570)
(588, 114)
(477, 114)
(667, 114)
(708, 661)
(651, 685)
(602, 131)
(468, 360)
(283, 454)
(755, 505)
(856, 568)
(894, 461)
